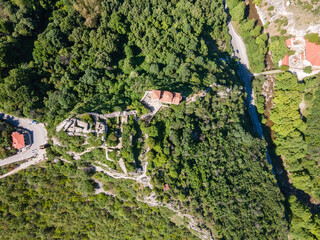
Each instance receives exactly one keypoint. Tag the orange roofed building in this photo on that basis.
(313, 53)
(17, 140)
(166, 96)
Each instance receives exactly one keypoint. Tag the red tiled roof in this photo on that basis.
(177, 98)
(156, 94)
(166, 187)
(17, 140)
(313, 53)
(166, 96)
(285, 61)
(288, 42)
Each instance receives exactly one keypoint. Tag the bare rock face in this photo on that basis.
(290, 17)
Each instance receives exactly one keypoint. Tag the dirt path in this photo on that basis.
(123, 166)
(302, 106)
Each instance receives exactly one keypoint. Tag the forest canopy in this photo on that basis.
(66, 57)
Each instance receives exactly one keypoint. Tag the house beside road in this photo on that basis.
(18, 140)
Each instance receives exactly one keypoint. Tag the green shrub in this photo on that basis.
(284, 68)
(308, 96)
(308, 69)
(271, 8)
(313, 37)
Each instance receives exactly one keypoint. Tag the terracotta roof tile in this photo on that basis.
(17, 140)
(313, 53)
(166, 96)
(288, 42)
(156, 94)
(285, 60)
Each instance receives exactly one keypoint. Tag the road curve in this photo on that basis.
(38, 137)
(246, 76)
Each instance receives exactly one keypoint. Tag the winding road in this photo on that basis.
(38, 135)
(246, 76)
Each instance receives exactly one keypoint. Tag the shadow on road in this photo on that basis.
(28, 136)
(9, 119)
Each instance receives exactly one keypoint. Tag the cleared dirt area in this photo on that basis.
(295, 17)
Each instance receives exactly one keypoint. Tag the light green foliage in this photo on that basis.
(287, 81)
(60, 198)
(255, 41)
(312, 132)
(313, 37)
(292, 132)
(304, 225)
(278, 48)
(257, 2)
(256, 31)
(237, 12)
(256, 44)
(308, 69)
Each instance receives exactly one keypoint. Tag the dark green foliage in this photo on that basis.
(55, 63)
(131, 147)
(5, 140)
(106, 63)
(212, 167)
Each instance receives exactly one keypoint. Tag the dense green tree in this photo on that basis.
(278, 48)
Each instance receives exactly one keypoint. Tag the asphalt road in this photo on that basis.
(38, 137)
(239, 48)
(246, 76)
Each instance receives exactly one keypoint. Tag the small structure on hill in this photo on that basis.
(166, 96)
(305, 54)
(166, 187)
(18, 140)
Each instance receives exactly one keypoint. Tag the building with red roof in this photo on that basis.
(285, 60)
(288, 42)
(166, 187)
(166, 96)
(18, 140)
(313, 53)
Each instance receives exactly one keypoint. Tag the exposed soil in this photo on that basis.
(253, 13)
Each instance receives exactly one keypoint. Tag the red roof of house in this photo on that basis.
(285, 60)
(156, 94)
(166, 96)
(313, 53)
(288, 42)
(17, 140)
(166, 187)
